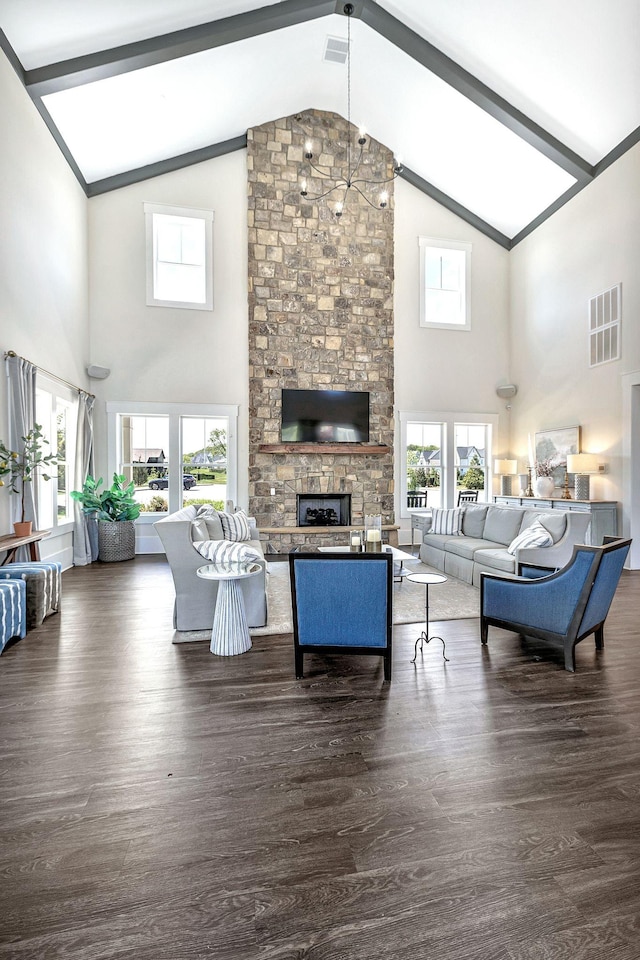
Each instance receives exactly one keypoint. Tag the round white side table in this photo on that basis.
(428, 579)
(230, 633)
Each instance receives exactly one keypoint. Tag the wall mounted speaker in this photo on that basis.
(96, 372)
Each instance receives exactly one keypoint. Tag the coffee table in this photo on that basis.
(427, 579)
(400, 557)
(230, 632)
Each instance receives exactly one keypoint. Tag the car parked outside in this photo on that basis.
(162, 483)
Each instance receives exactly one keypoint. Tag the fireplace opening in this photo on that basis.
(324, 509)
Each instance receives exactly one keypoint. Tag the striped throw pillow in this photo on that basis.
(447, 521)
(235, 526)
(533, 536)
(223, 551)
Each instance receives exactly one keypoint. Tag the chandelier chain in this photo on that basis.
(349, 181)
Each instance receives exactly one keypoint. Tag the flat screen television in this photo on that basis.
(325, 416)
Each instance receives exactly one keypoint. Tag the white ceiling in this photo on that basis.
(570, 68)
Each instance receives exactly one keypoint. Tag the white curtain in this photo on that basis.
(22, 416)
(85, 537)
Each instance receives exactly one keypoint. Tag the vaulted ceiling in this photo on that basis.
(500, 109)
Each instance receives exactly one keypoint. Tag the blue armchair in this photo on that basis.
(563, 608)
(342, 604)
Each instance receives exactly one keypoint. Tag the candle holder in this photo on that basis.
(355, 541)
(373, 534)
(529, 492)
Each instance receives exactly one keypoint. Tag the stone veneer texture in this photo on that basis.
(320, 313)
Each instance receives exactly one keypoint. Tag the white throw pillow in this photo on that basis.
(447, 521)
(199, 530)
(223, 551)
(235, 526)
(533, 536)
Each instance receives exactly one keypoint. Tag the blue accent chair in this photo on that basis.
(342, 604)
(13, 610)
(563, 608)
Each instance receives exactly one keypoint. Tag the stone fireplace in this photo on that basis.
(320, 317)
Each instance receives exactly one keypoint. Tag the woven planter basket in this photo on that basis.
(116, 541)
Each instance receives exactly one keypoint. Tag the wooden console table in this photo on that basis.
(10, 544)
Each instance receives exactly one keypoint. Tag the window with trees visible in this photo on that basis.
(176, 454)
(443, 455)
(179, 254)
(445, 284)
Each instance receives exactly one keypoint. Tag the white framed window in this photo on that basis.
(445, 284)
(605, 313)
(179, 255)
(443, 453)
(56, 413)
(176, 454)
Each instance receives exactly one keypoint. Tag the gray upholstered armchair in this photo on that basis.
(342, 604)
(196, 598)
(563, 608)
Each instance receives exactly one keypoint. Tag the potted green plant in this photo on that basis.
(22, 467)
(114, 509)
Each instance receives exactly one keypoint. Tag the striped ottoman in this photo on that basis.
(13, 610)
(43, 579)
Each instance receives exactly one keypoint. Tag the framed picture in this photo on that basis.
(555, 445)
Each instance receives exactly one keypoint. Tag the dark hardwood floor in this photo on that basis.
(159, 803)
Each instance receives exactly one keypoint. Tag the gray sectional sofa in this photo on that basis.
(487, 530)
(195, 597)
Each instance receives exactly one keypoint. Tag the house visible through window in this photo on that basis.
(179, 257)
(445, 270)
(176, 454)
(444, 454)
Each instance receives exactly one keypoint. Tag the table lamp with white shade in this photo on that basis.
(505, 469)
(582, 465)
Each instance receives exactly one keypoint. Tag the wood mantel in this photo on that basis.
(364, 449)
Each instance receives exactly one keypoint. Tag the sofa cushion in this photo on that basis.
(473, 519)
(495, 559)
(447, 521)
(534, 536)
(224, 551)
(502, 524)
(467, 546)
(235, 526)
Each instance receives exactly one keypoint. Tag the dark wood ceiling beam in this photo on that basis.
(460, 211)
(181, 43)
(474, 90)
(160, 167)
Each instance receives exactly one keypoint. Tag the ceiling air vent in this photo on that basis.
(335, 50)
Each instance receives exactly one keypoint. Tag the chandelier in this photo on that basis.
(351, 180)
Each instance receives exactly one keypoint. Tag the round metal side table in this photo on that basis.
(427, 579)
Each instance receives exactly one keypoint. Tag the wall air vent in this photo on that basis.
(335, 50)
(605, 314)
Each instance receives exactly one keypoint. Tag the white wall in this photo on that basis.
(590, 244)
(160, 353)
(43, 252)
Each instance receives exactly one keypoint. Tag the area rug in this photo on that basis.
(452, 600)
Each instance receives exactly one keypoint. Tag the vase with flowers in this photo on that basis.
(22, 467)
(545, 484)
